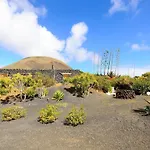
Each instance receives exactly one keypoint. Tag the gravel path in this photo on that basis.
(110, 125)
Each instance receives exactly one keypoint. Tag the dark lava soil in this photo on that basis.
(111, 125)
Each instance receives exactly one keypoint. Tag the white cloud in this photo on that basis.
(133, 70)
(123, 5)
(140, 47)
(21, 33)
(74, 44)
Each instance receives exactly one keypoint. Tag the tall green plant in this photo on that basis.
(19, 82)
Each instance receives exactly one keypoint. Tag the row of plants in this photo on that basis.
(24, 87)
(83, 82)
(49, 114)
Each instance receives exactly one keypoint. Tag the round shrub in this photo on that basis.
(76, 116)
(13, 113)
(48, 114)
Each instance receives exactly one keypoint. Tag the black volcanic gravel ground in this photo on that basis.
(110, 125)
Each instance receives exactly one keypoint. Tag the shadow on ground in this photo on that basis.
(142, 111)
(71, 90)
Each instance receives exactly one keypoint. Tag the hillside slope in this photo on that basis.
(38, 62)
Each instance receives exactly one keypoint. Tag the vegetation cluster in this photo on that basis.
(28, 87)
(23, 87)
(82, 83)
(49, 114)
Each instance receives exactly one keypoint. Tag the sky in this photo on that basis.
(77, 32)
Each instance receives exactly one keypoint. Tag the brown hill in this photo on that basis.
(38, 62)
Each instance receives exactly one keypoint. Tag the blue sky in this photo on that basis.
(75, 30)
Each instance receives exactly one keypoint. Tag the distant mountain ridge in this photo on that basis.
(38, 62)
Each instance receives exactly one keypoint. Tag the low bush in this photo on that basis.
(103, 84)
(30, 92)
(48, 114)
(82, 83)
(141, 85)
(123, 82)
(44, 80)
(48, 81)
(75, 117)
(13, 113)
(58, 95)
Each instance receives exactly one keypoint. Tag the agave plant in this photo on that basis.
(58, 95)
(147, 108)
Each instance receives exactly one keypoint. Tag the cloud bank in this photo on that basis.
(21, 33)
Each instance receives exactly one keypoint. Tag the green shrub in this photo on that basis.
(103, 83)
(48, 81)
(48, 114)
(147, 74)
(141, 85)
(76, 116)
(123, 82)
(13, 113)
(82, 83)
(29, 81)
(58, 95)
(43, 80)
(30, 92)
(6, 85)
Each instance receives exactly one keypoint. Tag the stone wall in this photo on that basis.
(52, 73)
